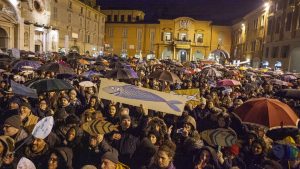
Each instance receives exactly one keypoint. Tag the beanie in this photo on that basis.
(14, 121)
(112, 156)
(235, 150)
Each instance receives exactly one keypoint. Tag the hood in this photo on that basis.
(190, 120)
(67, 155)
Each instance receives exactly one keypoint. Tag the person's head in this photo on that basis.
(38, 145)
(71, 134)
(189, 123)
(124, 111)
(93, 101)
(12, 125)
(258, 147)
(210, 105)
(125, 122)
(14, 104)
(110, 159)
(65, 101)
(95, 140)
(251, 136)
(7, 145)
(165, 155)
(25, 110)
(73, 94)
(112, 110)
(60, 158)
(205, 157)
(43, 104)
(153, 136)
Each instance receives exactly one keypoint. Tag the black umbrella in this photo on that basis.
(49, 85)
(57, 68)
(165, 75)
(122, 74)
(289, 93)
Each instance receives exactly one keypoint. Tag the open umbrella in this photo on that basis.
(279, 82)
(122, 73)
(267, 112)
(91, 73)
(87, 84)
(289, 77)
(211, 72)
(57, 68)
(228, 82)
(49, 85)
(165, 75)
(289, 93)
(20, 64)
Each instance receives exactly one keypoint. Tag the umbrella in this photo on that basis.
(289, 93)
(57, 68)
(267, 112)
(279, 82)
(289, 77)
(86, 84)
(66, 76)
(91, 73)
(165, 75)
(211, 72)
(20, 64)
(243, 68)
(228, 82)
(83, 62)
(122, 73)
(49, 85)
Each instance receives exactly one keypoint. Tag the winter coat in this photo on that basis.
(29, 122)
(66, 156)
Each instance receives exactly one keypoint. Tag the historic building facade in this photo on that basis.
(182, 38)
(51, 25)
(270, 35)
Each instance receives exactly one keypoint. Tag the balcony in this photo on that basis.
(182, 42)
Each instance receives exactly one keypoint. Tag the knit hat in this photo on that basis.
(235, 150)
(25, 104)
(125, 116)
(67, 155)
(14, 121)
(112, 156)
(8, 143)
(89, 167)
(190, 120)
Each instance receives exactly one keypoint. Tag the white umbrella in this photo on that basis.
(86, 84)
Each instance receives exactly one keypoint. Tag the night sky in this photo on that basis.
(223, 12)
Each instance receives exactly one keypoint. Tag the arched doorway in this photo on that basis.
(182, 55)
(167, 54)
(3, 39)
(294, 60)
(38, 47)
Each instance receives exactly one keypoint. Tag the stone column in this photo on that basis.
(174, 53)
(191, 54)
(31, 38)
(20, 35)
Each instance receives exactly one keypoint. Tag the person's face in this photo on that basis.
(187, 127)
(205, 156)
(1, 148)
(112, 110)
(107, 164)
(152, 138)
(72, 95)
(93, 102)
(163, 160)
(37, 145)
(43, 105)
(221, 122)
(52, 162)
(3, 84)
(9, 130)
(250, 140)
(13, 106)
(25, 111)
(256, 149)
(71, 134)
(65, 102)
(125, 123)
(210, 105)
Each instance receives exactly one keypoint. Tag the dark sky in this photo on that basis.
(219, 11)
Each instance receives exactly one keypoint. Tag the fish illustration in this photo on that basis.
(133, 92)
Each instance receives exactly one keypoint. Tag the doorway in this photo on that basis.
(182, 55)
(3, 39)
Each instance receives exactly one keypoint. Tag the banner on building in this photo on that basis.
(133, 95)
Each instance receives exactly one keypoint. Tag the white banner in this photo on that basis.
(133, 95)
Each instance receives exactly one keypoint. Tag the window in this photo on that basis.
(267, 53)
(110, 32)
(125, 33)
(255, 23)
(81, 10)
(109, 18)
(167, 36)
(122, 18)
(270, 26)
(139, 39)
(152, 37)
(70, 4)
(137, 18)
(124, 44)
(183, 36)
(285, 51)
(199, 38)
(54, 12)
(115, 18)
(275, 52)
(69, 17)
(278, 25)
(253, 44)
(129, 18)
(288, 23)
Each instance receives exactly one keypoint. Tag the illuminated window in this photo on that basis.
(124, 44)
(81, 10)
(69, 17)
(152, 37)
(199, 38)
(288, 23)
(54, 12)
(270, 25)
(137, 18)
(183, 36)
(167, 36)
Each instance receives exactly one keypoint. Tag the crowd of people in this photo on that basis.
(145, 138)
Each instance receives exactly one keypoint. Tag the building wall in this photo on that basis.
(165, 39)
(52, 25)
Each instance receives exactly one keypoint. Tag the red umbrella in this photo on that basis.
(267, 112)
(228, 82)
